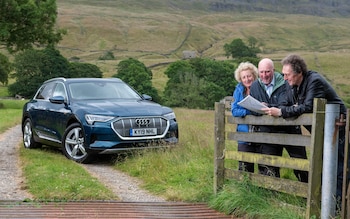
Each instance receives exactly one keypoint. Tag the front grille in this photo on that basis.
(123, 126)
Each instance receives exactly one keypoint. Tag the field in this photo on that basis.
(156, 34)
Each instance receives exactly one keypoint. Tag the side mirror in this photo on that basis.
(57, 99)
(146, 97)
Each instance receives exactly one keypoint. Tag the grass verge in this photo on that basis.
(10, 113)
(248, 201)
(52, 177)
(177, 173)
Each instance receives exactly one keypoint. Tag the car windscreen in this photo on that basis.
(101, 90)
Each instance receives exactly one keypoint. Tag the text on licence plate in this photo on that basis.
(145, 131)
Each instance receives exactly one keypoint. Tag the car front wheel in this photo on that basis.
(28, 138)
(73, 144)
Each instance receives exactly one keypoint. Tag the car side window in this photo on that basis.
(59, 91)
(45, 92)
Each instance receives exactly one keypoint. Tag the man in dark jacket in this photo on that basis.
(304, 87)
(270, 89)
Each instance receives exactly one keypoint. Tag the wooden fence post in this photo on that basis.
(345, 196)
(219, 146)
(313, 207)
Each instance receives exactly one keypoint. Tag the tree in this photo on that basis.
(193, 92)
(24, 23)
(198, 83)
(123, 67)
(187, 92)
(238, 49)
(5, 68)
(176, 69)
(218, 72)
(84, 70)
(107, 56)
(33, 67)
(138, 76)
(253, 44)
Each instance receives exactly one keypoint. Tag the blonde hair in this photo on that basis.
(245, 66)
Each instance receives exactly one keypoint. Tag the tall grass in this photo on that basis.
(248, 201)
(176, 174)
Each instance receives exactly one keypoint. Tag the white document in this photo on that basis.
(252, 104)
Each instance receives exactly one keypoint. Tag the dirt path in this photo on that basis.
(11, 183)
(124, 186)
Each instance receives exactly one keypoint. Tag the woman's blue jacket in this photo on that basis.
(238, 111)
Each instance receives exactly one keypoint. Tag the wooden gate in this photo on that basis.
(312, 141)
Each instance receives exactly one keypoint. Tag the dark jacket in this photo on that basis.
(258, 91)
(278, 97)
(312, 86)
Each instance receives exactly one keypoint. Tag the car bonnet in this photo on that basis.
(120, 108)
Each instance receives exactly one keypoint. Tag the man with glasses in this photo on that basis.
(304, 86)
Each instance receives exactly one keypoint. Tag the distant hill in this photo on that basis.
(324, 8)
(160, 30)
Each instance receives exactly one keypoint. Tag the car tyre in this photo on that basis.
(28, 135)
(73, 144)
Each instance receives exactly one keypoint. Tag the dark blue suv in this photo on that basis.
(89, 116)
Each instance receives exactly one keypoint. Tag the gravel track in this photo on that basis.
(12, 186)
(11, 180)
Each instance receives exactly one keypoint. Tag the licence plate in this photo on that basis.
(142, 132)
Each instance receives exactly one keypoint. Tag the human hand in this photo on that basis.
(272, 111)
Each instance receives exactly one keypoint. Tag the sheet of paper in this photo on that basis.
(252, 104)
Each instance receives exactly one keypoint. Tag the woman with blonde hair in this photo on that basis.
(245, 74)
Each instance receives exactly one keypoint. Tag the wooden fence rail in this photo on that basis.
(312, 141)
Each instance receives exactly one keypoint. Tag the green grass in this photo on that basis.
(50, 176)
(178, 173)
(10, 113)
(248, 201)
(3, 91)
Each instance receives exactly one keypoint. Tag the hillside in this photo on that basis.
(324, 8)
(166, 31)
(158, 31)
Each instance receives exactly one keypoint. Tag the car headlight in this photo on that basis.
(90, 119)
(170, 116)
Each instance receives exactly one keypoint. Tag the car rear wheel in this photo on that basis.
(28, 138)
(73, 145)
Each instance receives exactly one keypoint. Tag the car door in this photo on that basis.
(38, 110)
(50, 117)
(58, 112)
